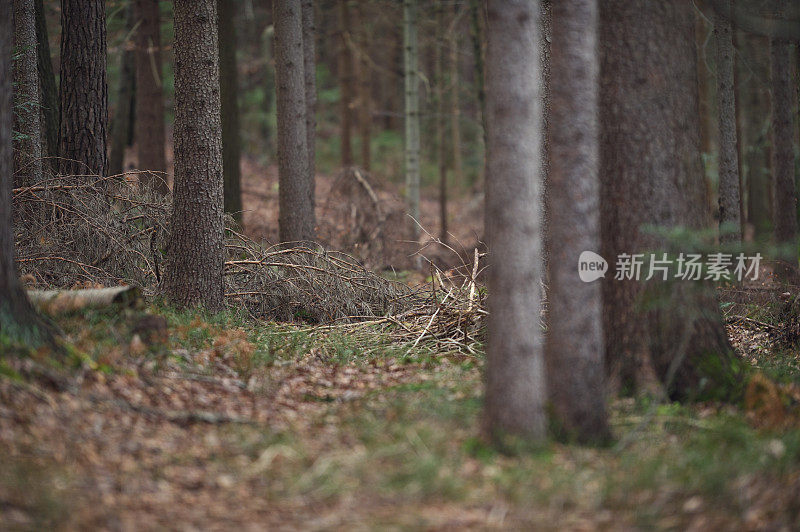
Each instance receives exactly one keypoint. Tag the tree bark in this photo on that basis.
(659, 335)
(149, 121)
(412, 133)
(19, 324)
(47, 82)
(125, 105)
(310, 86)
(364, 85)
(730, 223)
(195, 252)
(346, 83)
(574, 343)
(296, 219)
(515, 379)
(784, 202)
(477, 52)
(440, 145)
(229, 93)
(28, 149)
(83, 91)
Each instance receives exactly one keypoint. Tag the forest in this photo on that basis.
(399, 264)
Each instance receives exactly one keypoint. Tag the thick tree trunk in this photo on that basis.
(195, 252)
(455, 109)
(47, 82)
(28, 149)
(149, 121)
(125, 105)
(296, 219)
(708, 129)
(784, 202)
(412, 132)
(83, 91)
(310, 86)
(229, 93)
(346, 83)
(730, 223)
(658, 334)
(19, 323)
(574, 344)
(515, 379)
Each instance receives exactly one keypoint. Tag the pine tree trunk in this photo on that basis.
(412, 134)
(477, 52)
(47, 82)
(149, 121)
(730, 223)
(455, 110)
(195, 252)
(229, 92)
(364, 79)
(515, 379)
(28, 149)
(310, 86)
(574, 344)
(651, 175)
(83, 91)
(19, 323)
(125, 105)
(346, 83)
(296, 219)
(784, 202)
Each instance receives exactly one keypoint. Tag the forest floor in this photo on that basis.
(181, 420)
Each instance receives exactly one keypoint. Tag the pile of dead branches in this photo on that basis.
(83, 231)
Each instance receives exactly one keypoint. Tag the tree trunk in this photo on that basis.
(455, 110)
(195, 252)
(310, 86)
(28, 156)
(125, 106)
(364, 85)
(754, 101)
(659, 335)
(229, 93)
(440, 146)
(515, 379)
(296, 219)
(477, 52)
(730, 223)
(346, 83)
(785, 209)
(19, 323)
(574, 343)
(47, 82)
(83, 91)
(708, 135)
(412, 135)
(149, 121)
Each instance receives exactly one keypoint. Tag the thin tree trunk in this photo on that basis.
(125, 106)
(477, 52)
(28, 156)
(455, 110)
(195, 252)
(659, 335)
(229, 92)
(19, 323)
(149, 121)
(83, 91)
(784, 201)
(515, 379)
(296, 218)
(574, 344)
(730, 223)
(364, 85)
(47, 82)
(310, 86)
(346, 83)
(412, 132)
(441, 157)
